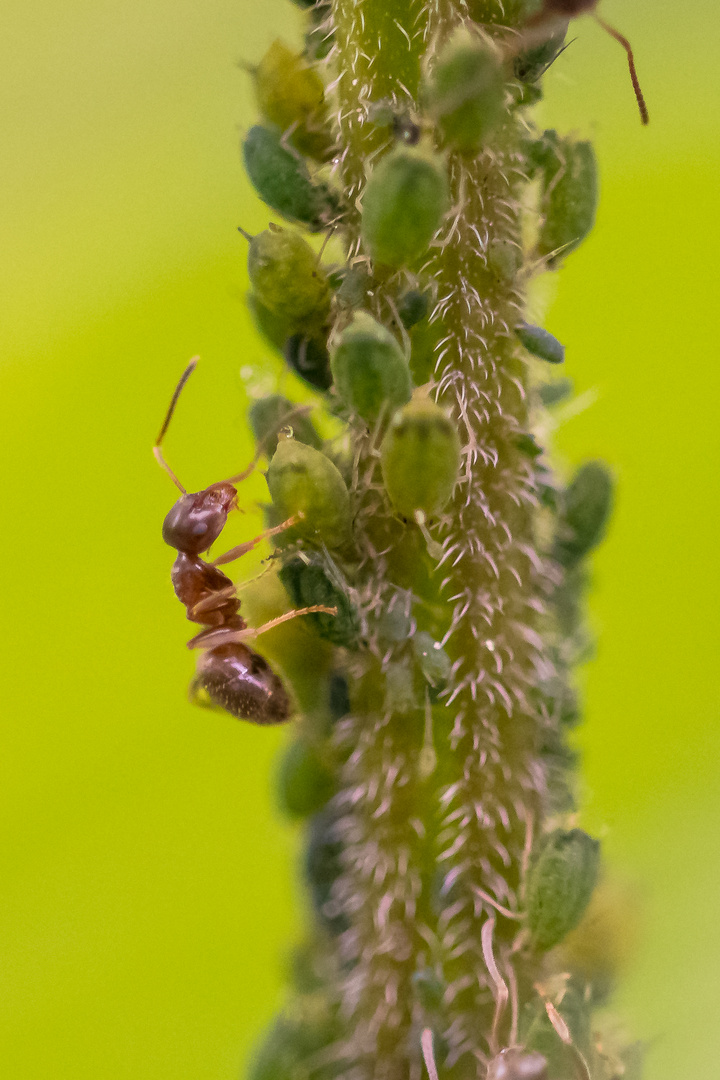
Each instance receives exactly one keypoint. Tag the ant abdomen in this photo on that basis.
(242, 682)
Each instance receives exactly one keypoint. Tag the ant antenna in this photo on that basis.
(166, 423)
(644, 114)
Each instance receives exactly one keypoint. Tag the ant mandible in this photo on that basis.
(233, 675)
(555, 12)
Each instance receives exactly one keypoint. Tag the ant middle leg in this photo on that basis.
(227, 635)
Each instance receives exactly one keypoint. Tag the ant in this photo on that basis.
(233, 675)
(555, 12)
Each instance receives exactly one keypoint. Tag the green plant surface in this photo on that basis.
(148, 892)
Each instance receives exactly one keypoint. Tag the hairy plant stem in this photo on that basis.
(427, 850)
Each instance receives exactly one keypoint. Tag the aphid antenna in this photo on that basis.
(644, 114)
(166, 423)
(248, 236)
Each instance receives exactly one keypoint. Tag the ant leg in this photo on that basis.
(208, 639)
(248, 545)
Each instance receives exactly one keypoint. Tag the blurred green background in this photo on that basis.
(148, 893)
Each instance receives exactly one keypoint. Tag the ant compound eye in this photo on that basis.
(404, 202)
(540, 343)
(434, 661)
(303, 481)
(305, 783)
(570, 201)
(531, 65)
(268, 415)
(369, 369)
(291, 94)
(420, 459)
(287, 278)
(466, 93)
(560, 886)
(586, 509)
(308, 584)
(283, 182)
(309, 358)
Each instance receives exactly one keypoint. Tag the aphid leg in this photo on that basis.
(208, 639)
(242, 549)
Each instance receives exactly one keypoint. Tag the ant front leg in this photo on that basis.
(242, 549)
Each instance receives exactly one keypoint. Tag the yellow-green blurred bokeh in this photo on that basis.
(147, 883)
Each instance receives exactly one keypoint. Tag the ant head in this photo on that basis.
(195, 521)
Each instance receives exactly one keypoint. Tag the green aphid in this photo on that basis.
(353, 287)
(466, 93)
(404, 202)
(420, 459)
(308, 581)
(413, 307)
(553, 393)
(540, 343)
(302, 481)
(287, 277)
(585, 510)
(271, 324)
(570, 201)
(435, 663)
(369, 369)
(269, 414)
(291, 96)
(532, 64)
(283, 182)
(505, 259)
(305, 783)
(309, 358)
(560, 885)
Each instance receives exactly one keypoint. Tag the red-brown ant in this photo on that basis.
(233, 675)
(555, 12)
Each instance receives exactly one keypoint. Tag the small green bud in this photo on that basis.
(466, 94)
(291, 94)
(304, 783)
(434, 662)
(369, 369)
(269, 414)
(531, 64)
(403, 204)
(413, 307)
(540, 343)
(420, 459)
(308, 583)
(303, 481)
(571, 201)
(283, 182)
(560, 886)
(505, 259)
(553, 393)
(309, 358)
(586, 508)
(287, 278)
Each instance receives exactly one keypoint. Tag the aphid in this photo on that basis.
(369, 369)
(560, 886)
(466, 93)
(554, 12)
(232, 674)
(404, 203)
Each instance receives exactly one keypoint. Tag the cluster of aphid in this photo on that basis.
(368, 335)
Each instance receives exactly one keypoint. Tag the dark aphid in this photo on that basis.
(540, 343)
(233, 675)
(531, 64)
(309, 575)
(405, 130)
(309, 358)
(283, 182)
(268, 415)
(554, 12)
(412, 307)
